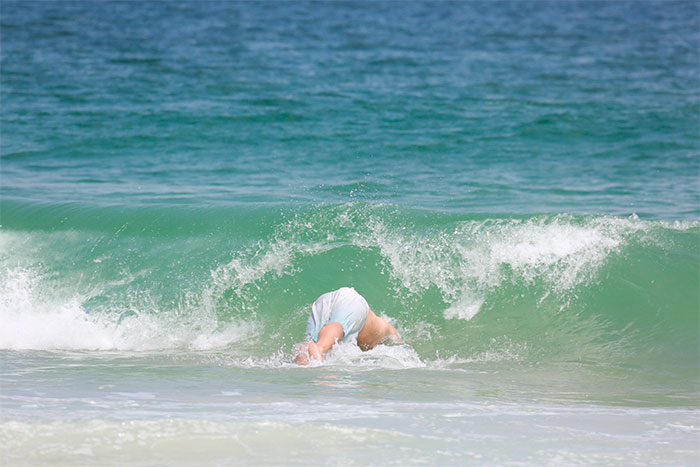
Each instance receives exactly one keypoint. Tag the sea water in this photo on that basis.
(513, 185)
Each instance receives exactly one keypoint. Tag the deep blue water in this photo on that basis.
(496, 107)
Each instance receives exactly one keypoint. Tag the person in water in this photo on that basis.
(341, 315)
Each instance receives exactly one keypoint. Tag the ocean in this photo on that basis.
(515, 186)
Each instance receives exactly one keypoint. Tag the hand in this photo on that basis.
(302, 353)
(306, 352)
(314, 352)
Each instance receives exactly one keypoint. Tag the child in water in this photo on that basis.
(341, 315)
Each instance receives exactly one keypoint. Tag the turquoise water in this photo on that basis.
(514, 186)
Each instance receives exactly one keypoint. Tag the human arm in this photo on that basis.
(330, 334)
(327, 337)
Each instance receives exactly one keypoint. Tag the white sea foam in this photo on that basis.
(465, 263)
(275, 258)
(477, 257)
(33, 318)
(381, 356)
(465, 308)
(27, 323)
(418, 430)
(344, 354)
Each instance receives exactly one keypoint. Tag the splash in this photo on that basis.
(33, 318)
(559, 286)
(470, 262)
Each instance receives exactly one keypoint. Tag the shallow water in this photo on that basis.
(514, 186)
(152, 409)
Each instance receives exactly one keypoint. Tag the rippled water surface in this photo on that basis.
(514, 185)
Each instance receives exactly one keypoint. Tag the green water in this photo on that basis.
(514, 186)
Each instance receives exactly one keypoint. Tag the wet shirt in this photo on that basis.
(344, 306)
